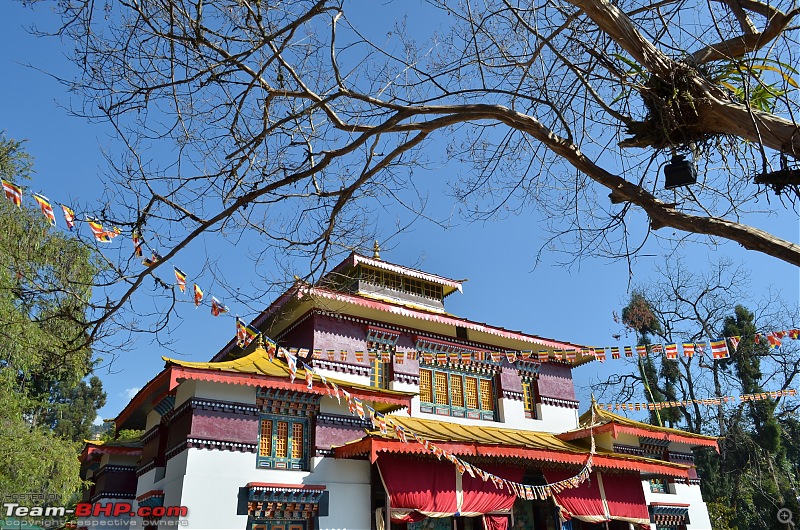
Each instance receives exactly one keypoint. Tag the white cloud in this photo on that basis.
(130, 392)
(98, 420)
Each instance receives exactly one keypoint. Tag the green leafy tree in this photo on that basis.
(47, 401)
(32, 459)
(756, 472)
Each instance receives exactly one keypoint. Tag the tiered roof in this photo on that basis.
(606, 421)
(498, 442)
(255, 369)
(303, 297)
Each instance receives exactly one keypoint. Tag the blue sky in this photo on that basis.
(504, 288)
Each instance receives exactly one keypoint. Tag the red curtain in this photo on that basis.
(625, 498)
(495, 522)
(583, 503)
(425, 486)
(483, 497)
(428, 487)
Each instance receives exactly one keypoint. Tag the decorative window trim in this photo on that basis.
(113, 469)
(410, 379)
(675, 456)
(434, 405)
(530, 398)
(290, 506)
(337, 419)
(206, 404)
(629, 450)
(558, 402)
(660, 486)
(342, 367)
(380, 335)
(112, 495)
(290, 461)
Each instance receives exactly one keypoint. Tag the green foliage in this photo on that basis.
(45, 357)
(70, 412)
(748, 81)
(125, 435)
(34, 459)
(755, 472)
(722, 515)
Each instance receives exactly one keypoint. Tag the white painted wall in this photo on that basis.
(684, 494)
(552, 419)
(212, 480)
(225, 392)
(342, 376)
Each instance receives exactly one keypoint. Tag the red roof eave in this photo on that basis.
(92, 450)
(615, 429)
(155, 384)
(173, 375)
(180, 373)
(431, 316)
(371, 447)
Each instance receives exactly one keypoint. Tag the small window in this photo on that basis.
(441, 388)
(379, 374)
(659, 485)
(433, 291)
(265, 445)
(456, 390)
(393, 281)
(487, 396)
(282, 439)
(372, 276)
(472, 392)
(529, 392)
(425, 389)
(283, 443)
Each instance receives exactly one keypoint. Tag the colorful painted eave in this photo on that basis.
(94, 448)
(254, 370)
(514, 444)
(439, 318)
(607, 421)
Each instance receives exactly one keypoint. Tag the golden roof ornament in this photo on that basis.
(376, 250)
(260, 343)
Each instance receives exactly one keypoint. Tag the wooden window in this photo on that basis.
(487, 397)
(456, 393)
(441, 388)
(265, 445)
(433, 291)
(282, 443)
(425, 389)
(658, 485)
(379, 374)
(282, 439)
(413, 286)
(456, 390)
(529, 398)
(297, 440)
(472, 392)
(372, 276)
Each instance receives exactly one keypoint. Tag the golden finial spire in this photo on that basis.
(376, 250)
(260, 343)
